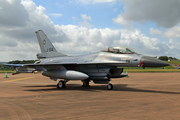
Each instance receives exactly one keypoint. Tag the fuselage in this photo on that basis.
(101, 58)
(99, 65)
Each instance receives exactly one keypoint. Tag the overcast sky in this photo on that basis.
(149, 27)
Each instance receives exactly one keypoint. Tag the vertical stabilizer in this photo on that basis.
(44, 43)
(47, 48)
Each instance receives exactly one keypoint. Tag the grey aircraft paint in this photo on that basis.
(98, 67)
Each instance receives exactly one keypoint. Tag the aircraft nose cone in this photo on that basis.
(153, 62)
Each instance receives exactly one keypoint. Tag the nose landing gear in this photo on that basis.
(110, 86)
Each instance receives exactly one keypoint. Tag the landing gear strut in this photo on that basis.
(110, 86)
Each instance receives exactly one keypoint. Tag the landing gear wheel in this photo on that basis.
(61, 84)
(110, 86)
(85, 83)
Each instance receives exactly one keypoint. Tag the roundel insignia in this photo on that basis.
(44, 42)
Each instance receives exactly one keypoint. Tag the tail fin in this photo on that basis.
(47, 48)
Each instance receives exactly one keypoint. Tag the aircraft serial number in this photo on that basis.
(124, 59)
(49, 49)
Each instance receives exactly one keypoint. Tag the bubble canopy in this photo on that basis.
(119, 50)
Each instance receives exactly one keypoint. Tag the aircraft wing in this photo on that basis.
(14, 65)
(105, 63)
(67, 63)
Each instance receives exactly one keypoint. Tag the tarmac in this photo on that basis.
(141, 96)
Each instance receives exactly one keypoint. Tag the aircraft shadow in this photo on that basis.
(41, 86)
(117, 87)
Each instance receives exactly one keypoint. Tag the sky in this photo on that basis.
(76, 27)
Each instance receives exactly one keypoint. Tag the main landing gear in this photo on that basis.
(85, 83)
(62, 84)
(109, 86)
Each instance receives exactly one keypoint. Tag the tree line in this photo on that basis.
(15, 62)
(21, 62)
(166, 58)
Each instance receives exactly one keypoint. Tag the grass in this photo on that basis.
(4, 71)
(177, 62)
(150, 70)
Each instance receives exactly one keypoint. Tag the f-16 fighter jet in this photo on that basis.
(98, 67)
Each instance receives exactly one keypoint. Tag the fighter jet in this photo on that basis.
(98, 67)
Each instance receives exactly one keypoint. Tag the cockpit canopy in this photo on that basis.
(119, 50)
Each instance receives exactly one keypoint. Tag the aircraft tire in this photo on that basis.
(58, 85)
(85, 83)
(61, 84)
(110, 86)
